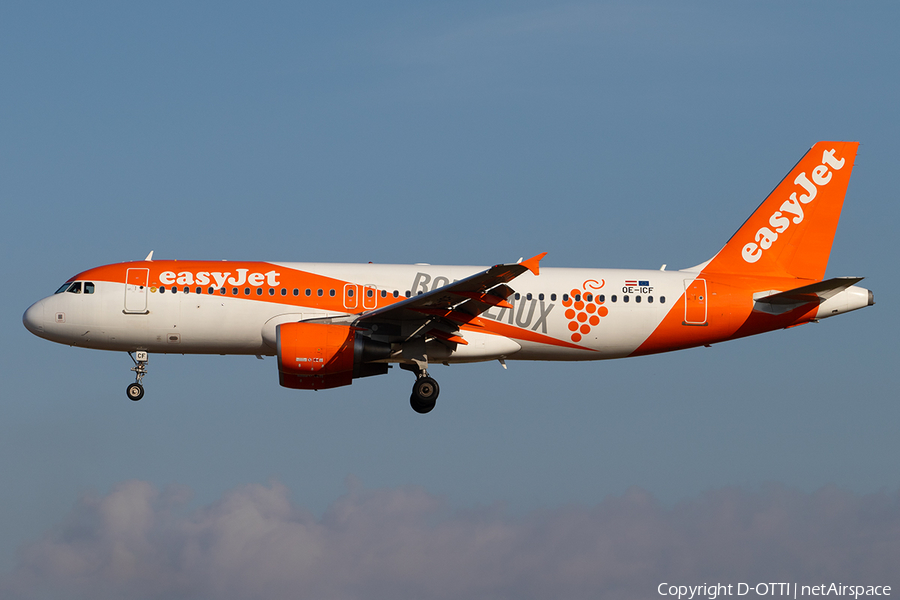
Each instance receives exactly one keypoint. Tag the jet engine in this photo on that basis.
(315, 356)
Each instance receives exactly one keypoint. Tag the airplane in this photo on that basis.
(328, 324)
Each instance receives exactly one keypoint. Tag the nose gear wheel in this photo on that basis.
(135, 391)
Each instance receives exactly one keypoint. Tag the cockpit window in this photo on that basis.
(75, 287)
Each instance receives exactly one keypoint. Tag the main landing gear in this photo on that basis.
(135, 390)
(424, 394)
(425, 390)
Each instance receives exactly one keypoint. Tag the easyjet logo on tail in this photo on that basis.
(791, 210)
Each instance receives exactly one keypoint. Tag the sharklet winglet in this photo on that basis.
(532, 264)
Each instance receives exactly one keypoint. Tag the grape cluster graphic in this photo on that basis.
(583, 314)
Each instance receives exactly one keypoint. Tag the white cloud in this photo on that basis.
(255, 542)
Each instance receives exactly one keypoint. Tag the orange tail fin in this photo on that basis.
(791, 232)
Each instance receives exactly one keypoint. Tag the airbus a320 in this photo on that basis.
(328, 324)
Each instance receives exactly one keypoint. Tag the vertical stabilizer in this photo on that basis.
(791, 232)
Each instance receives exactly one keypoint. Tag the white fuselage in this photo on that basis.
(239, 323)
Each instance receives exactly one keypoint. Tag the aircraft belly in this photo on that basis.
(203, 324)
(479, 347)
(180, 324)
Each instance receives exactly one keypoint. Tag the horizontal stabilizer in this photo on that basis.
(777, 303)
(815, 292)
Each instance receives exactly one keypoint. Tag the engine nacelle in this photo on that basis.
(315, 356)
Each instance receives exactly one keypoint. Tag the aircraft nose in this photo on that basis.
(33, 319)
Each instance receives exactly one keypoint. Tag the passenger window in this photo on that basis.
(211, 290)
(625, 298)
(199, 290)
(331, 292)
(349, 292)
(246, 291)
(259, 291)
(650, 299)
(662, 299)
(384, 293)
(296, 292)
(528, 296)
(369, 293)
(223, 291)
(89, 287)
(601, 298)
(396, 294)
(637, 299)
(540, 296)
(613, 298)
(408, 293)
(553, 297)
(175, 290)
(162, 290)
(283, 292)
(518, 295)
(588, 297)
(234, 291)
(75, 288)
(271, 291)
(186, 290)
(320, 293)
(565, 297)
(308, 292)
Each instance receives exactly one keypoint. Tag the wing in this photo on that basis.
(439, 313)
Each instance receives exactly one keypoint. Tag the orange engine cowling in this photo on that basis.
(315, 356)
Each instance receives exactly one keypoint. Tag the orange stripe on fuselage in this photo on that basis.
(730, 314)
(205, 271)
(517, 333)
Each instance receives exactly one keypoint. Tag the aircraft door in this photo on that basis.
(136, 290)
(695, 302)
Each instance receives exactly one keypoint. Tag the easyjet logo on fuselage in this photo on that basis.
(219, 279)
(791, 210)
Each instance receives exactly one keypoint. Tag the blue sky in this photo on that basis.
(615, 134)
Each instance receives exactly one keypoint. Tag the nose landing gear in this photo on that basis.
(135, 391)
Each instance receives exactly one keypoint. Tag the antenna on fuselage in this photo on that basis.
(149, 257)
